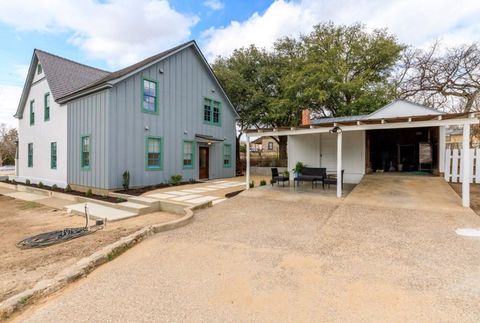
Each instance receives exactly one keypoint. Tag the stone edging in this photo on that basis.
(87, 264)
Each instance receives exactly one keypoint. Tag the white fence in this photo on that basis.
(454, 165)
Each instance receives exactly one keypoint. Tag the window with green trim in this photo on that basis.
(153, 152)
(46, 111)
(227, 155)
(32, 112)
(39, 69)
(149, 103)
(53, 155)
(30, 155)
(211, 112)
(85, 151)
(188, 153)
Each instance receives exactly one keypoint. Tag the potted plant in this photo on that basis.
(286, 174)
(298, 168)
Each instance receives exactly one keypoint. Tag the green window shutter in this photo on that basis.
(46, 110)
(39, 69)
(86, 145)
(188, 154)
(227, 155)
(30, 155)
(149, 96)
(32, 112)
(53, 155)
(153, 153)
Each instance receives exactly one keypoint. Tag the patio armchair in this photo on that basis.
(277, 178)
(331, 179)
(311, 174)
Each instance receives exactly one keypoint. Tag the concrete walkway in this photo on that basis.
(276, 256)
(199, 193)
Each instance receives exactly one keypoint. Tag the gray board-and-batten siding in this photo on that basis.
(117, 126)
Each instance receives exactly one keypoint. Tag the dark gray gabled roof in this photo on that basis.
(65, 76)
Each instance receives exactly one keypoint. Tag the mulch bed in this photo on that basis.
(110, 199)
(141, 190)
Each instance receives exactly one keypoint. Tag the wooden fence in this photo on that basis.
(454, 165)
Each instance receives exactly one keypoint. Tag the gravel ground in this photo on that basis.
(268, 256)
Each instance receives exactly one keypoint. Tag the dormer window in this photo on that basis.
(39, 69)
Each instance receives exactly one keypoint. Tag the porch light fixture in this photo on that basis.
(336, 129)
(160, 71)
(209, 143)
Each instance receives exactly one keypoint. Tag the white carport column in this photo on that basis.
(466, 166)
(339, 163)
(247, 175)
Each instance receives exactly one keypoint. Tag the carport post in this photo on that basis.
(339, 163)
(247, 175)
(466, 166)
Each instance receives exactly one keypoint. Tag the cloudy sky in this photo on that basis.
(111, 34)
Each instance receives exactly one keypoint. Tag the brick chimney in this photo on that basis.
(305, 117)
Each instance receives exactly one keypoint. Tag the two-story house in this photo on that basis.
(163, 116)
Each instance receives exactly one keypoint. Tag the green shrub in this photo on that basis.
(54, 187)
(298, 167)
(175, 179)
(121, 199)
(126, 180)
(263, 182)
(252, 184)
(68, 189)
(89, 193)
(27, 182)
(40, 185)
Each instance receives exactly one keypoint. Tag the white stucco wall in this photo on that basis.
(320, 150)
(41, 134)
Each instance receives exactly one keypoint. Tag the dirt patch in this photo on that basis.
(474, 195)
(141, 190)
(21, 269)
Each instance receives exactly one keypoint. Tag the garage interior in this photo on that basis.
(408, 150)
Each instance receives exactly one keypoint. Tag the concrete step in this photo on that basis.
(143, 200)
(134, 207)
(98, 211)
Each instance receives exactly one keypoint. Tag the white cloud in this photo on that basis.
(120, 32)
(9, 98)
(414, 22)
(214, 4)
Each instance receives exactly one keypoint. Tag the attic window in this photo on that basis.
(39, 69)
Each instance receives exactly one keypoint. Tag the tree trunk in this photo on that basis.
(282, 147)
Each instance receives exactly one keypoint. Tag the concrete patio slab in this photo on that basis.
(100, 211)
(161, 196)
(186, 197)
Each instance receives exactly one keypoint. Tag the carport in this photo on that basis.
(345, 143)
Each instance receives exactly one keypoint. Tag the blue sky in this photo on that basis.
(115, 33)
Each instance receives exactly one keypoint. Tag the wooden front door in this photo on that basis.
(203, 162)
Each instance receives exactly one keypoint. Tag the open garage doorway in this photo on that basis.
(407, 150)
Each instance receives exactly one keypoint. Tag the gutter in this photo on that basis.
(76, 95)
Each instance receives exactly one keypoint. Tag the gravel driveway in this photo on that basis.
(268, 256)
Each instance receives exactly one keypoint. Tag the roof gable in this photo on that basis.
(402, 108)
(62, 75)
